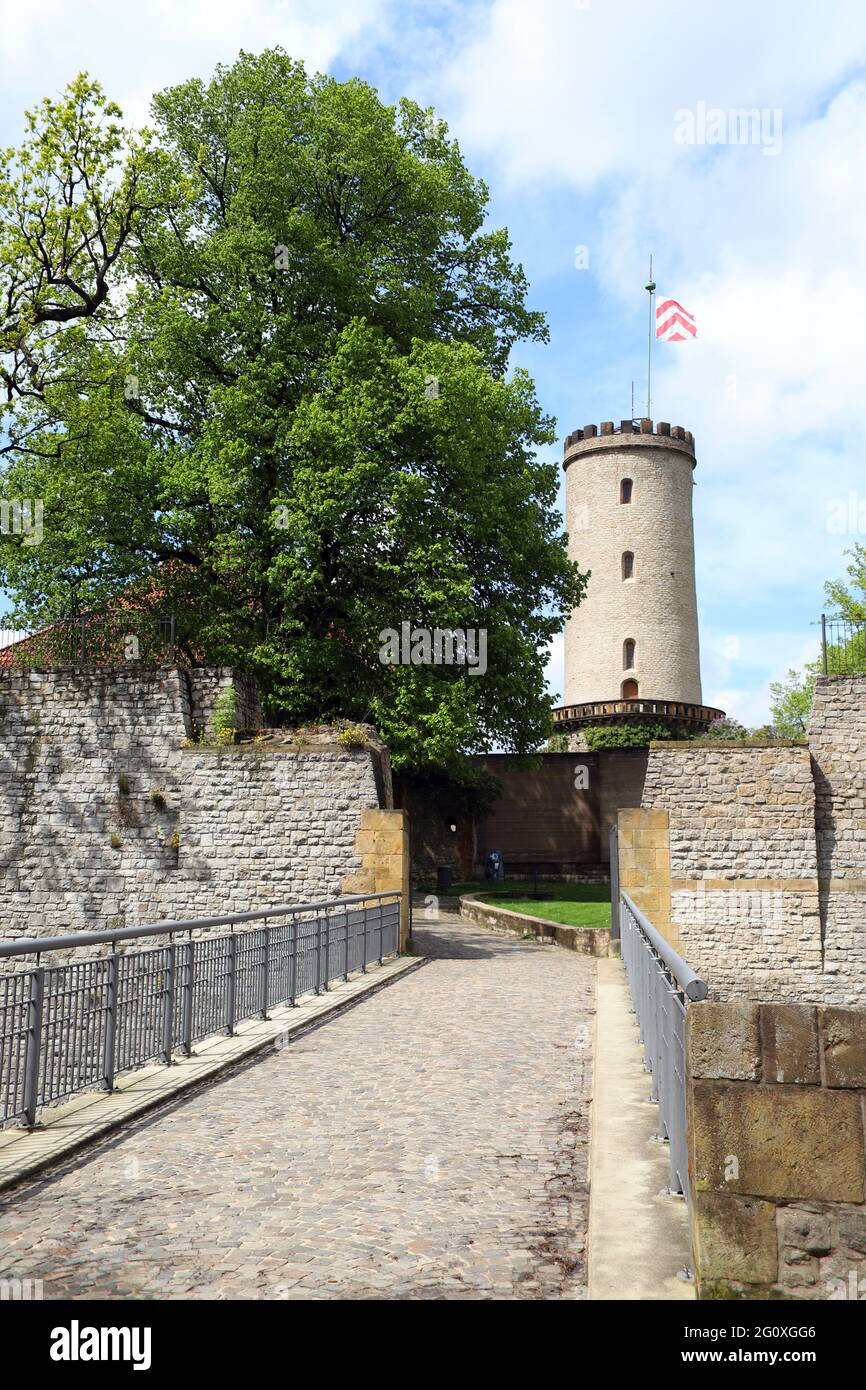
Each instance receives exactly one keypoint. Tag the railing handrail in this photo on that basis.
(35, 945)
(688, 980)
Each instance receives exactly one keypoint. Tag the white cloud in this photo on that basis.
(135, 50)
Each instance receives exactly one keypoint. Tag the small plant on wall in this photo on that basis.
(114, 840)
(225, 715)
(353, 737)
(157, 798)
(126, 812)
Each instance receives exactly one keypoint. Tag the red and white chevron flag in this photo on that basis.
(674, 324)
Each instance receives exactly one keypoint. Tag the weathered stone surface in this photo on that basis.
(789, 1042)
(852, 1229)
(843, 1038)
(805, 1230)
(735, 1238)
(790, 1142)
(723, 1040)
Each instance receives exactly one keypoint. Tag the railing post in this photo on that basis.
(318, 953)
(168, 1012)
(824, 641)
(327, 951)
(108, 1062)
(293, 974)
(266, 966)
(188, 995)
(364, 965)
(231, 992)
(346, 957)
(32, 1046)
(381, 929)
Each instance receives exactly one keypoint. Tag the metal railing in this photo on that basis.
(71, 1027)
(662, 985)
(112, 636)
(843, 647)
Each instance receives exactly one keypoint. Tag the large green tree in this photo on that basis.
(261, 353)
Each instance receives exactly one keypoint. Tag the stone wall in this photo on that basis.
(767, 855)
(744, 908)
(837, 743)
(107, 819)
(776, 1107)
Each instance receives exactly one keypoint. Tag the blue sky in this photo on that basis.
(568, 109)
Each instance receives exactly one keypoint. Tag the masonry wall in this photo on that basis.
(743, 868)
(776, 1106)
(837, 743)
(107, 819)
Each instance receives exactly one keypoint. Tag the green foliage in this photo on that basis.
(114, 840)
(726, 729)
(122, 784)
(294, 409)
(157, 797)
(625, 735)
(791, 701)
(557, 743)
(225, 713)
(844, 603)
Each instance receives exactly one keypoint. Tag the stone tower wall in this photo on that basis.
(657, 608)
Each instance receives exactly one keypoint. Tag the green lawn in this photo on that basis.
(570, 904)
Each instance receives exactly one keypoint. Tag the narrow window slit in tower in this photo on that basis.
(628, 654)
(628, 565)
(625, 490)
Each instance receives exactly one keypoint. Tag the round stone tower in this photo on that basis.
(631, 647)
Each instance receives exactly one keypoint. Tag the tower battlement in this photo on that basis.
(645, 432)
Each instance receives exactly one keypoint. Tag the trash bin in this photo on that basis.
(494, 866)
(444, 878)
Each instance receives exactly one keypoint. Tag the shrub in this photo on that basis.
(225, 715)
(123, 784)
(157, 797)
(625, 735)
(353, 737)
(114, 840)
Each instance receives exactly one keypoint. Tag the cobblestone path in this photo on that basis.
(430, 1143)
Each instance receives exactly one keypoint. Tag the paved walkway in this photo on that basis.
(431, 1143)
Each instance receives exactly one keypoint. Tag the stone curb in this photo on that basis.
(587, 941)
(88, 1118)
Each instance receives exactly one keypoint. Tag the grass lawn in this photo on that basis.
(570, 904)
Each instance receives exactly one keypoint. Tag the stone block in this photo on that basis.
(843, 1040)
(804, 1230)
(723, 1040)
(789, 1044)
(797, 1143)
(734, 1238)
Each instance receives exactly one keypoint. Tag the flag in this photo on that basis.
(674, 324)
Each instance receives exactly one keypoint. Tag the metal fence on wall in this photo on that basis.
(843, 647)
(662, 985)
(72, 1027)
(109, 637)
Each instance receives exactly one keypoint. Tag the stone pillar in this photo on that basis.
(383, 844)
(643, 837)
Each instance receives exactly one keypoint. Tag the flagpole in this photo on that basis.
(650, 286)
